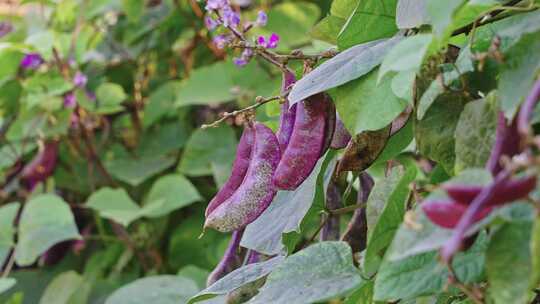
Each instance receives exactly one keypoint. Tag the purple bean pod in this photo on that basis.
(41, 167)
(330, 126)
(231, 259)
(506, 143)
(305, 145)
(330, 230)
(256, 191)
(341, 136)
(287, 116)
(239, 169)
(356, 232)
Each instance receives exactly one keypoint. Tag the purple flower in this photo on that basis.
(271, 43)
(216, 4)
(221, 41)
(70, 101)
(262, 19)
(239, 61)
(230, 17)
(210, 23)
(5, 28)
(79, 80)
(31, 61)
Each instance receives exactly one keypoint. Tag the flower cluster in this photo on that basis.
(31, 61)
(221, 13)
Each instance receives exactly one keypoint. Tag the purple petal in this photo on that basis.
(273, 41)
(261, 40)
(80, 80)
(239, 61)
(216, 4)
(70, 101)
(31, 61)
(262, 19)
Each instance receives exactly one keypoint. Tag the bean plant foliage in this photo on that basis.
(269, 151)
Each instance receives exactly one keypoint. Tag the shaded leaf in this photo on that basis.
(134, 171)
(407, 55)
(320, 272)
(168, 193)
(6, 284)
(63, 288)
(45, 220)
(114, 204)
(411, 13)
(8, 213)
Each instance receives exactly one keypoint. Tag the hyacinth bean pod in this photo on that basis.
(512, 190)
(330, 230)
(447, 214)
(506, 144)
(287, 116)
(356, 232)
(239, 169)
(341, 136)
(305, 145)
(256, 191)
(330, 126)
(41, 167)
(232, 259)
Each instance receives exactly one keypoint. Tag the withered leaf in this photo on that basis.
(363, 150)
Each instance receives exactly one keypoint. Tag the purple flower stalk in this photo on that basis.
(230, 17)
(262, 19)
(210, 23)
(70, 101)
(80, 80)
(271, 43)
(31, 61)
(221, 41)
(244, 59)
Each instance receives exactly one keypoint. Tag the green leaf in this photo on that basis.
(8, 213)
(237, 278)
(162, 289)
(109, 98)
(133, 8)
(342, 68)
(329, 27)
(207, 85)
(397, 142)
(285, 214)
(365, 106)
(371, 20)
(441, 13)
(535, 253)
(6, 284)
(424, 275)
(389, 199)
(63, 288)
(522, 64)
(411, 13)
(45, 220)
(362, 295)
(168, 193)
(10, 57)
(196, 274)
(407, 55)
(318, 273)
(475, 133)
(161, 102)
(434, 134)
(206, 146)
(508, 263)
(114, 204)
(134, 171)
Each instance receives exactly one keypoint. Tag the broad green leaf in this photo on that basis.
(535, 254)
(364, 105)
(161, 102)
(520, 64)
(284, 215)
(362, 295)
(407, 55)
(162, 289)
(63, 288)
(397, 142)
(10, 57)
(169, 193)
(114, 204)
(329, 27)
(475, 133)
(434, 134)
(134, 171)
(109, 98)
(207, 85)
(133, 8)
(344, 67)
(6, 284)
(318, 273)
(8, 213)
(196, 274)
(371, 20)
(441, 14)
(394, 201)
(206, 146)
(45, 220)
(424, 275)
(508, 263)
(411, 13)
(237, 278)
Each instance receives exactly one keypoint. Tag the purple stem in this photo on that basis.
(527, 108)
(468, 219)
(230, 260)
(506, 143)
